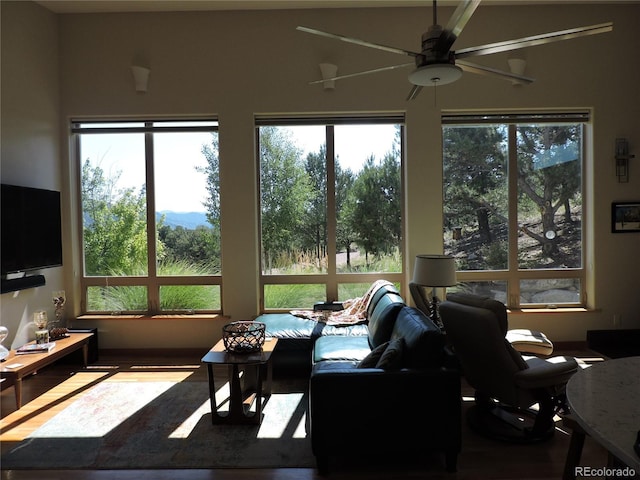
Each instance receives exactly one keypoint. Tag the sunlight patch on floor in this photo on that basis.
(283, 415)
(280, 419)
(19, 424)
(222, 395)
(102, 409)
(186, 427)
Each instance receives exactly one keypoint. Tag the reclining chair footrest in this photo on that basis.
(507, 424)
(530, 341)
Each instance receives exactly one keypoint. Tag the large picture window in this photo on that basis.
(513, 206)
(330, 207)
(150, 214)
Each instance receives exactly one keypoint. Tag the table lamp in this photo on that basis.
(431, 271)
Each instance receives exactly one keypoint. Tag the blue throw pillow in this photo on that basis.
(391, 359)
(371, 360)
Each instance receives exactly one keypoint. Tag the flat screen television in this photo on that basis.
(31, 235)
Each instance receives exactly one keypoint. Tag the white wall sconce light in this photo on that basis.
(517, 66)
(328, 70)
(622, 160)
(140, 77)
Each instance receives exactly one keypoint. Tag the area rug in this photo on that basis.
(118, 425)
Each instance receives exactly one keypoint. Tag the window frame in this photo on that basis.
(152, 281)
(331, 279)
(513, 275)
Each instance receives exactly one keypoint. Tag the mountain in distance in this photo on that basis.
(187, 220)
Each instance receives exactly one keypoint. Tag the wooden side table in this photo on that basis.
(239, 401)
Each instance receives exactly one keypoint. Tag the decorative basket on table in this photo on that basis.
(58, 333)
(243, 336)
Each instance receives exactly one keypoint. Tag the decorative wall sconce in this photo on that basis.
(328, 70)
(517, 66)
(622, 160)
(140, 77)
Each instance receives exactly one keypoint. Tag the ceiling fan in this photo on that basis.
(437, 64)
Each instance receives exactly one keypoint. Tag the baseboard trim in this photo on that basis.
(572, 345)
(154, 352)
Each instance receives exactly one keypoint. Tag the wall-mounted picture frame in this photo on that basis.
(625, 217)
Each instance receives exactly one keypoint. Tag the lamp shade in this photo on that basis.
(434, 271)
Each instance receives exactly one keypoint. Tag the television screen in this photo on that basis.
(31, 235)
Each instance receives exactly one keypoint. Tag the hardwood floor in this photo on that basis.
(51, 389)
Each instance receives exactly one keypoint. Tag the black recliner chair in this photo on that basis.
(507, 384)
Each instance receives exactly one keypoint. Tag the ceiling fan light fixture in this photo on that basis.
(435, 74)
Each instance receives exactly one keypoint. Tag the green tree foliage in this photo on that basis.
(345, 233)
(293, 194)
(475, 178)
(285, 193)
(294, 203)
(314, 226)
(115, 226)
(195, 247)
(206, 243)
(476, 183)
(212, 171)
(375, 211)
(549, 174)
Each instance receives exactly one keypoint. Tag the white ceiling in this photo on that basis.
(102, 6)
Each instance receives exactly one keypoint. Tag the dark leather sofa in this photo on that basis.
(402, 410)
(389, 386)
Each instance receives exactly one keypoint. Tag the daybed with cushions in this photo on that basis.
(378, 386)
(296, 333)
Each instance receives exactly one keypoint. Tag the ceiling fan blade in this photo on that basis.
(534, 40)
(366, 72)
(483, 70)
(415, 91)
(356, 41)
(456, 23)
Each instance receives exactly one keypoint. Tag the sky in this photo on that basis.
(353, 143)
(180, 188)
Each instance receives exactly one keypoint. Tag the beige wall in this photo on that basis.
(238, 64)
(30, 135)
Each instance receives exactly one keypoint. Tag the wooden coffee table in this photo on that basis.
(16, 367)
(239, 365)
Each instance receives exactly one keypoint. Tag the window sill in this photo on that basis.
(518, 311)
(172, 316)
